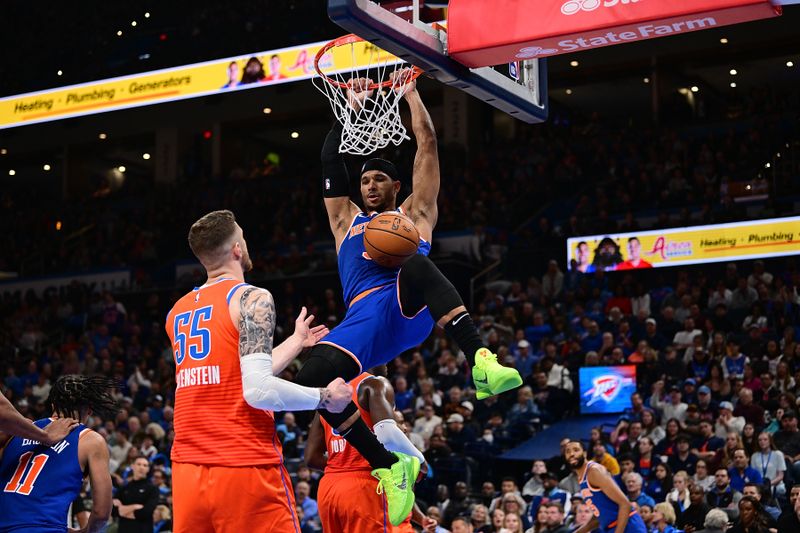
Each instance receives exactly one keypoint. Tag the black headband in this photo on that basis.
(382, 165)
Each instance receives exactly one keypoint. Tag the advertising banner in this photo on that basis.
(606, 389)
(189, 81)
(480, 34)
(685, 246)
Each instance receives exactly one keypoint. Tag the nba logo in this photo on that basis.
(513, 70)
(327, 184)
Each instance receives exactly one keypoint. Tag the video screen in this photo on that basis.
(606, 389)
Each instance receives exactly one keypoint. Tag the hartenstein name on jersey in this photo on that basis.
(200, 375)
(57, 447)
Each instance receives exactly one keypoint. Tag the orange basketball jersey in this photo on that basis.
(342, 457)
(213, 423)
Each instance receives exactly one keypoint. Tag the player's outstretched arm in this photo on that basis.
(94, 452)
(315, 445)
(600, 478)
(305, 336)
(421, 205)
(14, 424)
(379, 395)
(336, 186)
(261, 388)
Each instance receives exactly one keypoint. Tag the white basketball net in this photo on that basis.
(370, 115)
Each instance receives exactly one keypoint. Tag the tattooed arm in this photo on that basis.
(261, 388)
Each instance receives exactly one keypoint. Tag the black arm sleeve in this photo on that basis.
(335, 179)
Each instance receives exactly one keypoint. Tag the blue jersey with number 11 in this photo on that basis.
(39, 482)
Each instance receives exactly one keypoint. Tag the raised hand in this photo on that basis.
(307, 334)
(403, 81)
(358, 91)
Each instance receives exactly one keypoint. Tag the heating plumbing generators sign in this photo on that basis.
(189, 81)
(685, 246)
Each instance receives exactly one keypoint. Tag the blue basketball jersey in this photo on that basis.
(356, 270)
(38, 483)
(604, 508)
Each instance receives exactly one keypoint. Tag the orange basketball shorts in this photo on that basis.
(221, 499)
(348, 503)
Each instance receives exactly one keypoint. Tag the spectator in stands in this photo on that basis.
(683, 459)
(723, 495)
(752, 518)
(708, 408)
(664, 518)
(135, 501)
(788, 441)
(633, 484)
(497, 517)
(535, 485)
(679, 496)
(459, 503)
(512, 523)
(756, 490)
(727, 423)
(743, 297)
(701, 477)
(508, 486)
(790, 517)
(523, 360)
(741, 472)
(716, 521)
(672, 409)
(424, 425)
(691, 518)
(461, 524)
(668, 445)
(646, 460)
(745, 408)
(770, 463)
(302, 494)
(650, 427)
(552, 281)
(661, 484)
(601, 455)
(654, 339)
(734, 361)
(583, 514)
(479, 517)
(555, 518)
(685, 338)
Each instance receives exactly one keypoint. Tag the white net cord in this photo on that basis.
(370, 117)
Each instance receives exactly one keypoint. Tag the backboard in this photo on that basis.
(519, 89)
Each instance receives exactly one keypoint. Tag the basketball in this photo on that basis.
(390, 239)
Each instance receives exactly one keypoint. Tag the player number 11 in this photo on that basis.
(25, 486)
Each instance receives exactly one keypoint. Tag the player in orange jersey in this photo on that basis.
(228, 473)
(347, 476)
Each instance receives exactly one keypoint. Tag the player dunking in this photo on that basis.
(39, 481)
(390, 310)
(228, 473)
(347, 474)
(611, 509)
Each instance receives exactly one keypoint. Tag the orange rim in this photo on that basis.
(352, 39)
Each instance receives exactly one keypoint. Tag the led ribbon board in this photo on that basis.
(692, 245)
(189, 81)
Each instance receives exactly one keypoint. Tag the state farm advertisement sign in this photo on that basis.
(490, 33)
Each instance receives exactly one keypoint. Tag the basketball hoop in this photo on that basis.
(364, 87)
